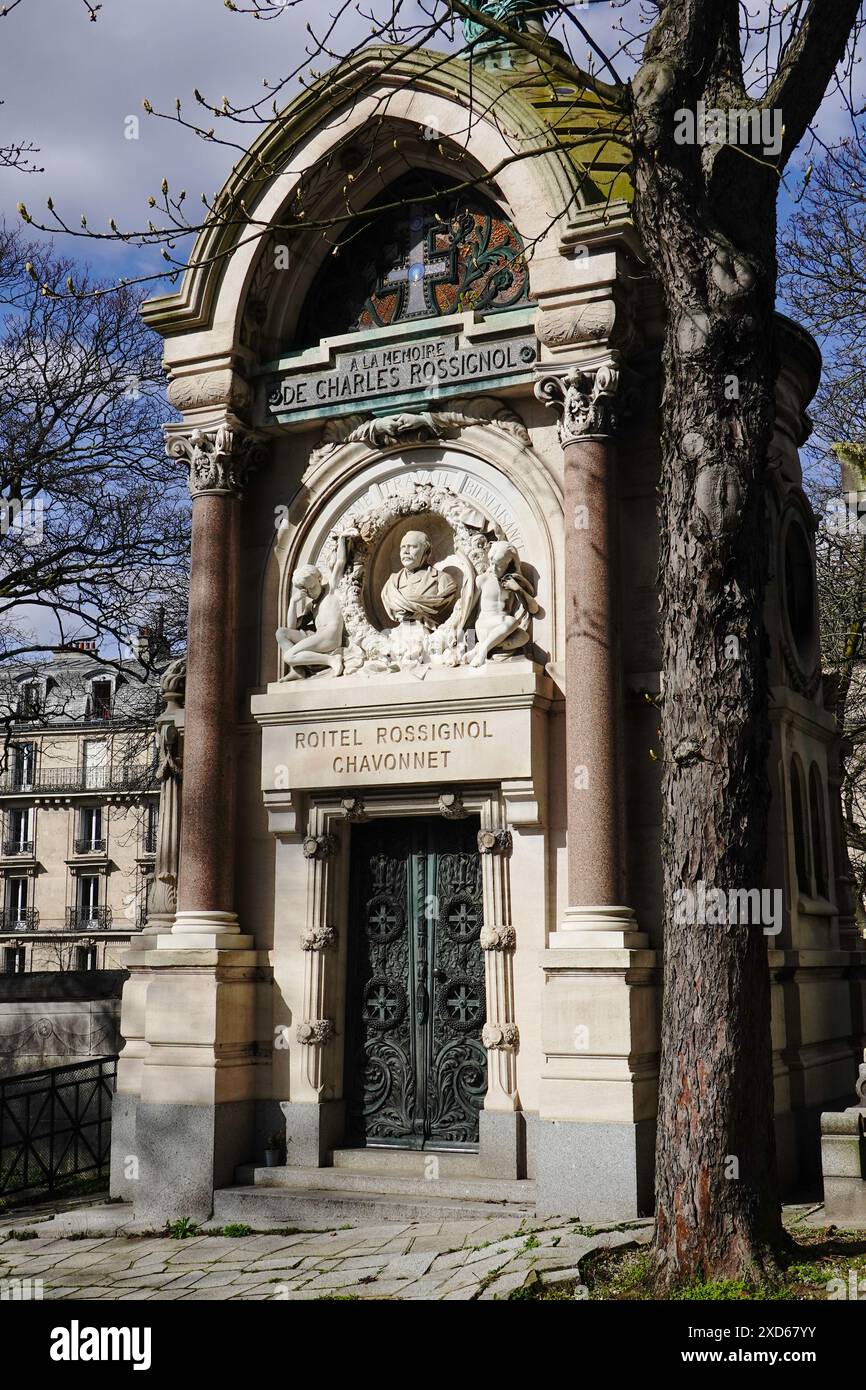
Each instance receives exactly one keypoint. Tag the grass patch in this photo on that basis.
(181, 1229)
(814, 1259)
(236, 1230)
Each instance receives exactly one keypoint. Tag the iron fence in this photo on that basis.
(56, 1125)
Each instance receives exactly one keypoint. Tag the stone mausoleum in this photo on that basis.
(406, 929)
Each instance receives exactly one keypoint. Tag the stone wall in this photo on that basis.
(59, 1017)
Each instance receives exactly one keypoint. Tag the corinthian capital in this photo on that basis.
(219, 459)
(593, 401)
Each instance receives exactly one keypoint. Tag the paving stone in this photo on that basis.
(506, 1284)
(561, 1276)
(407, 1266)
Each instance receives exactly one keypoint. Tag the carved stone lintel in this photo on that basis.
(451, 806)
(594, 402)
(219, 459)
(498, 938)
(498, 1036)
(315, 1032)
(421, 426)
(318, 938)
(353, 808)
(319, 846)
(494, 841)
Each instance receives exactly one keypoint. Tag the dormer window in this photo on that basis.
(100, 699)
(29, 699)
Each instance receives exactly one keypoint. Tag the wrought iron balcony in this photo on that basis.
(27, 919)
(17, 847)
(127, 777)
(90, 846)
(88, 918)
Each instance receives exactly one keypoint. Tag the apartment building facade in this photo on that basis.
(79, 804)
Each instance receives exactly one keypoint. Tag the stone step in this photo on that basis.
(390, 1183)
(413, 1163)
(327, 1209)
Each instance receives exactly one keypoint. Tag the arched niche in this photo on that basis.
(485, 470)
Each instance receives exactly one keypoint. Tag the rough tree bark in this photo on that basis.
(707, 217)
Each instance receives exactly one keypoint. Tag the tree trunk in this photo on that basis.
(709, 233)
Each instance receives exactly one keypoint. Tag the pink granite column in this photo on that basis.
(219, 460)
(590, 401)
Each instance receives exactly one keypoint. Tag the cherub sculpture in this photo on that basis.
(506, 601)
(313, 635)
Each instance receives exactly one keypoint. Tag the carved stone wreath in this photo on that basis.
(473, 533)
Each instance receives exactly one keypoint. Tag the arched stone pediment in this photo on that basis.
(401, 95)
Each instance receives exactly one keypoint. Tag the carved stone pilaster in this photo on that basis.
(498, 1036)
(594, 401)
(494, 841)
(315, 1032)
(319, 846)
(219, 459)
(315, 938)
(498, 938)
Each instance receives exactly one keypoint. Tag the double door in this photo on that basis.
(416, 1070)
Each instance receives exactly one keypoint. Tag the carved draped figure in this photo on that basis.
(426, 594)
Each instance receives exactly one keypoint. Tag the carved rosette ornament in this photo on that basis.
(593, 401)
(315, 1032)
(494, 841)
(318, 938)
(497, 1036)
(319, 846)
(451, 806)
(219, 460)
(498, 938)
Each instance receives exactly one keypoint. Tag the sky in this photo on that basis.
(70, 86)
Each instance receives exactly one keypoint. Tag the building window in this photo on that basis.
(14, 960)
(100, 700)
(23, 766)
(90, 833)
(151, 830)
(819, 839)
(19, 839)
(85, 957)
(29, 700)
(801, 860)
(88, 897)
(16, 903)
(95, 763)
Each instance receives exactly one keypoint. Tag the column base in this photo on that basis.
(602, 925)
(185, 1151)
(204, 931)
(312, 1132)
(595, 1172)
(502, 1143)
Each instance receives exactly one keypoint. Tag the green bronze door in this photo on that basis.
(416, 1070)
